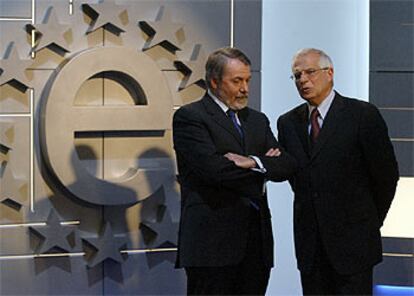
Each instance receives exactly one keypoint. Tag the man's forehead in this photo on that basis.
(306, 60)
(235, 66)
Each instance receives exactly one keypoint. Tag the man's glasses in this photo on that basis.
(309, 72)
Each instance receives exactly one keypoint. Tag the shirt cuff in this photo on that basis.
(260, 168)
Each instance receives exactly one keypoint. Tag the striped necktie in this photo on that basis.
(315, 128)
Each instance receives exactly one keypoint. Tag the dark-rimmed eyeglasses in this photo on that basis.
(309, 72)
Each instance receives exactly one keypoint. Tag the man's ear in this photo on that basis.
(213, 83)
(331, 73)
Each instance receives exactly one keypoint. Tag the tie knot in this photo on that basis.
(315, 113)
(231, 113)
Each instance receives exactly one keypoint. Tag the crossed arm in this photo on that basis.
(246, 162)
(197, 153)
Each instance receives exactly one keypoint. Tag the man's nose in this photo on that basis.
(303, 78)
(244, 87)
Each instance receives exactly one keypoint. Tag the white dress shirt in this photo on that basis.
(323, 109)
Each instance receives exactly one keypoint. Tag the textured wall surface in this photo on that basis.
(89, 202)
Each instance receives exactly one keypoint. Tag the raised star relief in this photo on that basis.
(105, 15)
(50, 34)
(107, 245)
(55, 235)
(161, 32)
(193, 69)
(13, 69)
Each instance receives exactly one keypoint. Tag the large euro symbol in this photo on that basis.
(61, 119)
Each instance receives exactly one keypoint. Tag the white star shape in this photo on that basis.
(193, 69)
(104, 14)
(13, 68)
(6, 142)
(162, 32)
(51, 33)
(10, 187)
(6, 135)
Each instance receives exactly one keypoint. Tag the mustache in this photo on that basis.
(242, 97)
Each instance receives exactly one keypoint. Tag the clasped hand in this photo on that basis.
(246, 162)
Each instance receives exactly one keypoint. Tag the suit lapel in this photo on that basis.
(330, 123)
(220, 117)
(301, 126)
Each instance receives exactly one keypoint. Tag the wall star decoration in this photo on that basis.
(50, 33)
(6, 136)
(162, 228)
(162, 32)
(104, 15)
(11, 187)
(13, 69)
(55, 235)
(193, 69)
(108, 246)
(11, 195)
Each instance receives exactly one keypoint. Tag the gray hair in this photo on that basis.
(219, 58)
(324, 60)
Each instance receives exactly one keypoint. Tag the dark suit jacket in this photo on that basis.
(344, 185)
(215, 192)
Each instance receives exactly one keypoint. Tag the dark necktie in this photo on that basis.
(232, 115)
(315, 128)
(233, 118)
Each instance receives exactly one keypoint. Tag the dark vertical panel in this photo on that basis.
(248, 29)
(247, 37)
(255, 91)
(400, 123)
(404, 152)
(395, 271)
(391, 72)
(398, 245)
(392, 89)
(391, 35)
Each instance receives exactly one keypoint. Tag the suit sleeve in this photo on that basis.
(279, 168)
(197, 152)
(380, 159)
(280, 133)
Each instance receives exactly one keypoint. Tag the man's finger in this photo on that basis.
(273, 152)
(269, 152)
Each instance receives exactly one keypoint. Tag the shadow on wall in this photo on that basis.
(131, 248)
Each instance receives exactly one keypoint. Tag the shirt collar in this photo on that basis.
(218, 102)
(323, 107)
